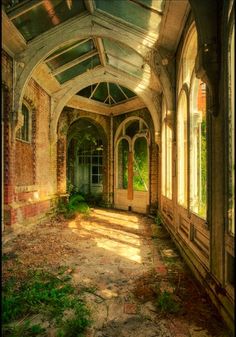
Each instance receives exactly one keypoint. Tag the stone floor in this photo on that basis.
(126, 262)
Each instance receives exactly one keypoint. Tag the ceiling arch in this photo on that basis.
(97, 75)
(122, 44)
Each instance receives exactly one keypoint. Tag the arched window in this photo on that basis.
(182, 150)
(231, 94)
(166, 154)
(24, 132)
(198, 149)
(140, 165)
(123, 153)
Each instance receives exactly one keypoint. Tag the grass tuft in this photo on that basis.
(46, 294)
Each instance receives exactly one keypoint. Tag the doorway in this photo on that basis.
(132, 166)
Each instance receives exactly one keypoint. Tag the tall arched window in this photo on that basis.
(182, 150)
(123, 153)
(140, 165)
(166, 154)
(198, 149)
(231, 94)
(24, 132)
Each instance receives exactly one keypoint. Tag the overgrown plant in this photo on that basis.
(166, 303)
(158, 219)
(76, 204)
(47, 294)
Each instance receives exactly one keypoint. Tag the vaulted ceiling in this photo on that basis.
(157, 23)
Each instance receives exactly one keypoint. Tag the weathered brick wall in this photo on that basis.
(44, 176)
(24, 166)
(7, 70)
(8, 159)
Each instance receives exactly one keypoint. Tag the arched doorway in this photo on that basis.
(132, 166)
(85, 158)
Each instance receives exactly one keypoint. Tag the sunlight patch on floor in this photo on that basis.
(124, 250)
(111, 233)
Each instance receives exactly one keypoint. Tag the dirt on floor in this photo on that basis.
(141, 286)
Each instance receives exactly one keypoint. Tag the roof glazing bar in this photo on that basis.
(94, 90)
(123, 60)
(26, 7)
(66, 50)
(74, 63)
(101, 50)
(89, 4)
(122, 91)
(147, 7)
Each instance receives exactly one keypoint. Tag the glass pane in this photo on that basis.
(132, 128)
(163, 157)
(166, 156)
(95, 179)
(47, 15)
(140, 168)
(123, 152)
(232, 136)
(87, 92)
(122, 65)
(116, 93)
(128, 92)
(78, 69)
(101, 92)
(71, 54)
(94, 169)
(131, 13)
(182, 150)
(198, 155)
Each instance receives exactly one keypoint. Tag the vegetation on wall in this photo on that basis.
(140, 178)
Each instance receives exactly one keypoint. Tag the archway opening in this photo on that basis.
(85, 159)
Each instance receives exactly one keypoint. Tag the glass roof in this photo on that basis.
(33, 17)
(144, 14)
(106, 92)
(123, 57)
(78, 69)
(43, 15)
(71, 54)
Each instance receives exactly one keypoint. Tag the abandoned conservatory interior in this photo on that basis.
(132, 103)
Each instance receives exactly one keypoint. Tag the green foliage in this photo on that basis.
(76, 204)
(8, 256)
(41, 293)
(158, 220)
(140, 178)
(166, 303)
(24, 329)
(75, 326)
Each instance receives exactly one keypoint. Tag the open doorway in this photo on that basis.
(132, 166)
(85, 159)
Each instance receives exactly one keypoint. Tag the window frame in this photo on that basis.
(166, 173)
(19, 131)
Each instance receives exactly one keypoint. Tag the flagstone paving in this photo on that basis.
(123, 262)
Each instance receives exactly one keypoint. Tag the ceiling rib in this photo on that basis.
(26, 7)
(66, 50)
(122, 91)
(113, 99)
(74, 62)
(147, 7)
(123, 60)
(89, 4)
(101, 51)
(93, 92)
